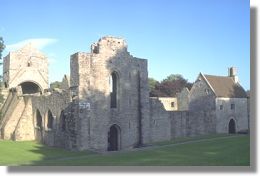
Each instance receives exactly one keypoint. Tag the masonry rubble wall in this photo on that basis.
(167, 125)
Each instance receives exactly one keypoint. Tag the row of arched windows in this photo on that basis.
(50, 120)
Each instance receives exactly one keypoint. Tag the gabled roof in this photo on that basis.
(225, 86)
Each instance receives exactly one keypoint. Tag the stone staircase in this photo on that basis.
(12, 117)
(24, 130)
(16, 122)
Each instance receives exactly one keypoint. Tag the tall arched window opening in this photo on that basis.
(50, 120)
(38, 119)
(113, 90)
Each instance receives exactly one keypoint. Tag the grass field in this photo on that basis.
(203, 151)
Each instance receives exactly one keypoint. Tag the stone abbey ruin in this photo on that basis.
(104, 104)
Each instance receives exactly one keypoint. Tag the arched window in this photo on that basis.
(38, 119)
(113, 89)
(50, 120)
(62, 121)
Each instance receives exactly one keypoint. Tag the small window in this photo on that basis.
(207, 91)
(29, 64)
(221, 107)
(232, 106)
(172, 104)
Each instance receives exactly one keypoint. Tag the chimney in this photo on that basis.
(232, 72)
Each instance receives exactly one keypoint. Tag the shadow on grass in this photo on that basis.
(203, 152)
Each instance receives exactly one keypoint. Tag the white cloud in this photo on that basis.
(39, 43)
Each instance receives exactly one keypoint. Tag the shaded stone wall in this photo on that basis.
(160, 124)
(90, 78)
(167, 125)
(55, 102)
(202, 98)
(224, 115)
(185, 123)
(183, 99)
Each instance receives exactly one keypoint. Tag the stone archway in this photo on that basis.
(29, 87)
(232, 127)
(114, 138)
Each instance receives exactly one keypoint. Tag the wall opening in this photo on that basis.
(30, 88)
(62, 121)
(50, 120)
(114, 138)
(38, 119)
(113, 90)
(232, 127)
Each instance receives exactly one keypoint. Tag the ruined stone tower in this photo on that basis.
(26, 67)
(111, 88)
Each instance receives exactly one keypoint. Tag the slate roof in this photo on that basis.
(225, 86)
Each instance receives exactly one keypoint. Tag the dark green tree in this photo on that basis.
(55, 84)
(170, 86)
(2, 47)
(152, 83)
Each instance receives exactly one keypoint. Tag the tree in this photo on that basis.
(169, 87)
(55, 84)
(2, 47)
(174, 77)
(152, 83)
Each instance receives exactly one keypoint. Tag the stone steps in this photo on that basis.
(12, 117)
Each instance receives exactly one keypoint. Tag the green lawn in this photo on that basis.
(217, 150)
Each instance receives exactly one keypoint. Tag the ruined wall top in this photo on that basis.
(26, 64)
(109, 44)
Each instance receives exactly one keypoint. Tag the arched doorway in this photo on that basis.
(30, 87)
(231, 127)
(113, 138)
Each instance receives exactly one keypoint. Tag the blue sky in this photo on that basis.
(176, 36)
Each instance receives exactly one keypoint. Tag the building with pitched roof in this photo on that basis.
(224, 96)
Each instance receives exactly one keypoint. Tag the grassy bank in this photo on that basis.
(214, 151)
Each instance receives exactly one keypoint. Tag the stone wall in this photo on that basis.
(183, 99)
(26, 64)
(202, 98)
(224, 115)
(160, 124)
(167, 125)
(169, 103)
(91, 82)
(55, 102)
